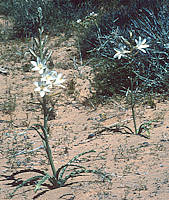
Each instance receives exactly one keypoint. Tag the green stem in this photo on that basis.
(132, 107)
(45, 141)
(45, 113)
(49, 154)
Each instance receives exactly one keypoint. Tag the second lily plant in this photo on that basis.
(129, 51)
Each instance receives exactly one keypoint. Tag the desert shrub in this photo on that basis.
(97, 3)
(25, 15)
(109, 78)
(155, 29)
(5, 7)
(57, 15)
(118, 15)
(150, 70)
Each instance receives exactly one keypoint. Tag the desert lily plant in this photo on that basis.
(129, 51)
(44, 86)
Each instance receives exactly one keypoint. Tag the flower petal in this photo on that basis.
(34, 63)
(42, 93)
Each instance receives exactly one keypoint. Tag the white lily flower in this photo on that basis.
(120, 53)
(39, 65)
(48, 77)
(42, 88)
(59, 80)
(141, 44)
(78, 21)
(166, 46)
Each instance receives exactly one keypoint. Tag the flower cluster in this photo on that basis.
(48, 78)
(140, 45)
(87, 20)
(90, 16)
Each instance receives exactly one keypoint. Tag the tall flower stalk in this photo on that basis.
(47, 80)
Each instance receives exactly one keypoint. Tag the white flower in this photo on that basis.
(59, 80)
(39, 65)
(42, 88)
(141, 44)
(48, 77)
(78, 21)
(166, 46)
(120, 53)
(92, 14)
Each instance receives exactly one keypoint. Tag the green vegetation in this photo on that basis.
(126, 43)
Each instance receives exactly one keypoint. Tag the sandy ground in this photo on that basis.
(138, 166)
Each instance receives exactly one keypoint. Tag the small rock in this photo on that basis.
(137, 173)
(144, 144)
(113, 174)
(91, 135)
